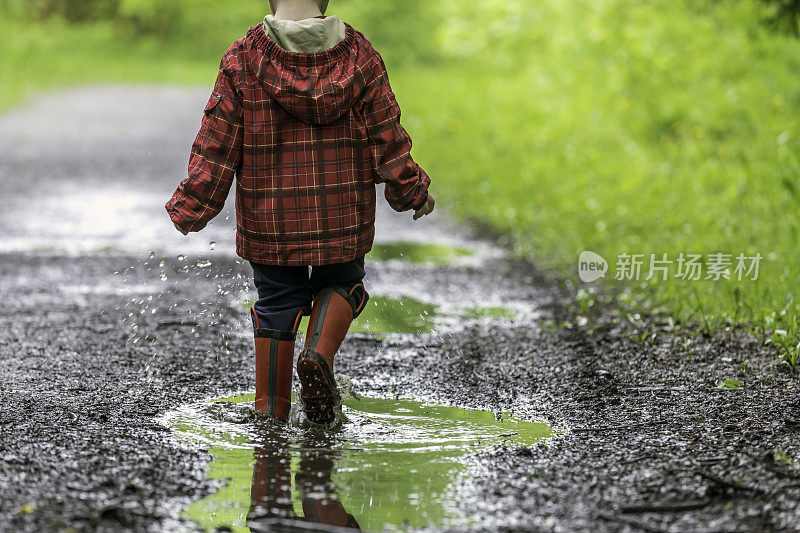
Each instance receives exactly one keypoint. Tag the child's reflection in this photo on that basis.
(271, 492)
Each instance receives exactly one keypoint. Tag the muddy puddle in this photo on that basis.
(389, 466)
(386, 314)
(418, 252)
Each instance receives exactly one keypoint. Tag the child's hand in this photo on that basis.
(179, 229)
(426, 208)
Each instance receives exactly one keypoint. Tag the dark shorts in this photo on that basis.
(283, 291)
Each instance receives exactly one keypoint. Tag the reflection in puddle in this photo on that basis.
(388, 467)
(277, 484)
(417, 252)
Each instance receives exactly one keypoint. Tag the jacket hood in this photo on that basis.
(318, 87)
(307, 35)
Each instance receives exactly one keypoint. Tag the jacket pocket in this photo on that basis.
(212, 103)
(209, 117)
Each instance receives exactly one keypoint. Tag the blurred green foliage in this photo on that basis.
(70, 10)
(52, 43)
(198, 22)
(183, 24)
(785, 15)
(617, 126)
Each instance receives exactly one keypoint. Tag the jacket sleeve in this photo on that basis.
(406, 182)
(214, 160)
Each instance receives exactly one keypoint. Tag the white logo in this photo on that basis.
(591, 266)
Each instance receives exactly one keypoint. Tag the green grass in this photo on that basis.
(625, 127)
(614, 126)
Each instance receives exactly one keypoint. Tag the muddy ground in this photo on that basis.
(98, 338)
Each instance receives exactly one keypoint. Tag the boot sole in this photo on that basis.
(319, 390)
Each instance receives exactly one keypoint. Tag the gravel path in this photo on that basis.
(110, 318)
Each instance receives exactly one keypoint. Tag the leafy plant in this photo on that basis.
(729, 384)
(642, 339)
(585, 300)
(789, 345)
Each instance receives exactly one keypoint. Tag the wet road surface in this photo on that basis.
(111, 320)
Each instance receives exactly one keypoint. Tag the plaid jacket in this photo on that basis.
(306, 137)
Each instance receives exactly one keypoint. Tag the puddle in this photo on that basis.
(384, 314)
(488, 312)
(389, 467)
(417, 252)
(109, 219)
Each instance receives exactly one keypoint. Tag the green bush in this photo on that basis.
(69, 10)
(151, 17)
(170, 21)
(785, 14)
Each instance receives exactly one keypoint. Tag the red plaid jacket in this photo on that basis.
(306, 137)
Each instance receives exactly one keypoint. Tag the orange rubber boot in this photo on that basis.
(274, 356)
(331, 315)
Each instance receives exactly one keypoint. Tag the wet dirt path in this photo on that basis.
(111, 319)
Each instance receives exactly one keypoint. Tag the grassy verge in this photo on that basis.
(618, 126)
(625, 127)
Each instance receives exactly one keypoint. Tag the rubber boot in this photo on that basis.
(274, 355)
(331, 314)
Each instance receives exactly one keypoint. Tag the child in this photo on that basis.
(302, 115)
